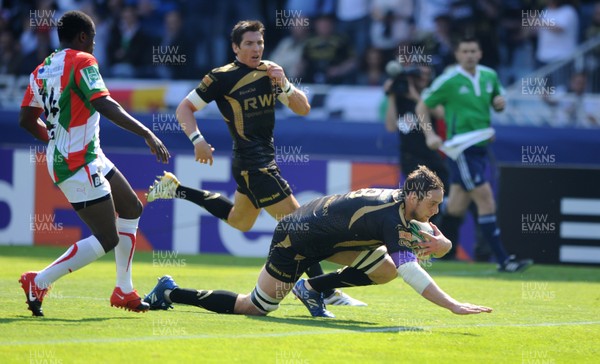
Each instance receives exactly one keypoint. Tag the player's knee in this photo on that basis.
(108, 241)
(136, 208)
(132, 209)
(385, 273)
(243, 226)
(262, 302)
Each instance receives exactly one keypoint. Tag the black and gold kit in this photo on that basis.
(246, 98)
(360, 220)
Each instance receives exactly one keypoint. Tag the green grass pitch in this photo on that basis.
(548, 314)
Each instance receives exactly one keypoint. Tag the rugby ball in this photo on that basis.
(415, 229)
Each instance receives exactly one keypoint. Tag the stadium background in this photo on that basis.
(342, 145)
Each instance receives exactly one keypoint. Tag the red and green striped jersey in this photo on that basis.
(64, 86)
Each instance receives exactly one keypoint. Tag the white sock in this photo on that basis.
(127, 229)
(77, 256)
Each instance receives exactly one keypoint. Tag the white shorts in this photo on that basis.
(89, 182)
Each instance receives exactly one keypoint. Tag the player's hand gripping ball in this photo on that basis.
(417, 237)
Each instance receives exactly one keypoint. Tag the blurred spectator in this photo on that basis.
(176, 50)
(288, 52)
(103, 26)
(426, 12)
(10, 54)
(129, 49)
(557, 35)
(391, 24)
(573, 106)
(328, 57)
(593, 29)
(372, 68)
(477, 19)
(593, 59)
(353, 21)
(311, 8)
(36, 44)
(152, 15)
(438, 45)
(516, 45)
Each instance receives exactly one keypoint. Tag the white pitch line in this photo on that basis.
(284, 334)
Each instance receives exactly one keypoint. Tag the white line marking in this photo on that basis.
(284, 334)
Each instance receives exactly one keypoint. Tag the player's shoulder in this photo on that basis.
(80, 56)
(230, 67)
(447, 76)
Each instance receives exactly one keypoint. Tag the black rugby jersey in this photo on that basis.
(359, 220)
(246, 99)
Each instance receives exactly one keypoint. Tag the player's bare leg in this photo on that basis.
(100, 218)
(243, 215)
(265, 297)
(129, 208)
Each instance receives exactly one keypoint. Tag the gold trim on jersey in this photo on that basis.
(226, 68)
(248, 79)
(353, 243)
(238, 116)
(367, 209)
(285, 243)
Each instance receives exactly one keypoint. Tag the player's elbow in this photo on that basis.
(303, 110)
(184, 108)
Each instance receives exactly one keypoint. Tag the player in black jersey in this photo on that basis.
(245, 92)
(367, 231)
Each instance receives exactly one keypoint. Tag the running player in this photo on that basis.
(68, 89)
(362, 230)
(467, 91)
(245, 92)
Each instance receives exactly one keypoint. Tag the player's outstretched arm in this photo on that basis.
(111, 110)
(421, 281)
(29, 119)
(435, 294)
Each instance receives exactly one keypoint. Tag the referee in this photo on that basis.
(467, 91)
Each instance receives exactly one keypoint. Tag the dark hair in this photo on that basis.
(421, 181)
(244, 26)
(466, 39)
(72, 23)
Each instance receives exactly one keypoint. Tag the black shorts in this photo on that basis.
(263, 186)
(284, 263)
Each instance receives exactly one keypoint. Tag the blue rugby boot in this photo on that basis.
(313, 300)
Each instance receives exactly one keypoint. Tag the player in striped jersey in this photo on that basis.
(68, 88)
(467, 91)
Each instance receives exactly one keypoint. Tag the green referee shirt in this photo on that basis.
(466, 99)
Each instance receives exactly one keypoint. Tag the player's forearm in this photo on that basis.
(298, 102)
(435, 294)
(185, 117)
(114, 112)
(30, 121)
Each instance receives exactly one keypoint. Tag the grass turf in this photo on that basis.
(548, 314)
